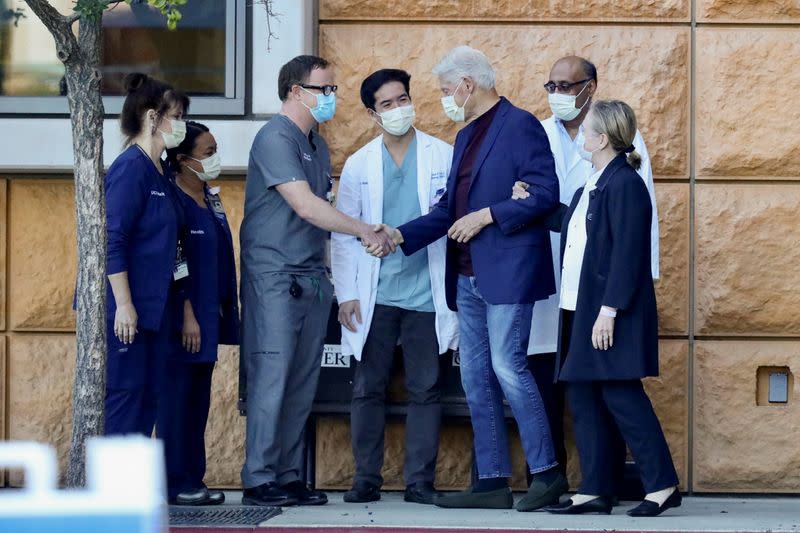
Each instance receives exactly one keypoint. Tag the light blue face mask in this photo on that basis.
(325, 108)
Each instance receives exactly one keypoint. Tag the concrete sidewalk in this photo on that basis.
(698, 513)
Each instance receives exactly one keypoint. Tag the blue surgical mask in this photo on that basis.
(325, 108)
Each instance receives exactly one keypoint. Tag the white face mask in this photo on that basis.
(399, 120)
(451, 109)
(172, 140)
(212, 166)
(584, 153)
(563, 105)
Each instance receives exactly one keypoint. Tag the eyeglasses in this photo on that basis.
(326, 89)
(562, 86)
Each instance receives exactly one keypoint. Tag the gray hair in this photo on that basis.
(464, 61)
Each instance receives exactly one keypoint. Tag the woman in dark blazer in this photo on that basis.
(207, 315)
(142, 222)
(609, 323)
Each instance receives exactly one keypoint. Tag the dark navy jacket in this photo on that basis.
(142, 224)
(615, 272)
(511, 258)
(211, 285)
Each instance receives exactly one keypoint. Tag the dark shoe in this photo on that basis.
(192, 497)
(615, 501)
(362, 493)
(216, 497)
(599, 505)
(494, 499)
(304, 495)
(541, 495)
(648, 508)
(268, 494)
(420, 493)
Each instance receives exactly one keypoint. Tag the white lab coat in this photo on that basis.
(544, 325)
(355, 273)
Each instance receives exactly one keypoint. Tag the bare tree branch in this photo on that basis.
(271, 14)
(58, 25)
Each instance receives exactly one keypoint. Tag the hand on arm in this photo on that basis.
(520, 191)
(191, 329)
(466, 227)
(125, 318)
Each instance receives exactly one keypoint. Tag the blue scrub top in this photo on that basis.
(142, 222)
(211, 285)
(403, 281)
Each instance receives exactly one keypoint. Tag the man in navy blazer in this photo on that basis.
(498, 264)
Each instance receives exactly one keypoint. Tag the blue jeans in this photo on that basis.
(493, 348)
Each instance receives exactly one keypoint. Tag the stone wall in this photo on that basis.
(715, 107)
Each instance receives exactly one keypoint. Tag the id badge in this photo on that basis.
(216, 205)
(181, 270)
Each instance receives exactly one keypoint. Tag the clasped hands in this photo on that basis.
(381, 240)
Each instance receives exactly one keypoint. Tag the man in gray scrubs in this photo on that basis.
(285, 292)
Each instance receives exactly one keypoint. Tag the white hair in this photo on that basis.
(465, 61)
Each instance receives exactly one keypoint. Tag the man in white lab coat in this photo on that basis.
(398, 299)
(572, 84)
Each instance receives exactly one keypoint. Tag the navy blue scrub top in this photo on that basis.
(142, 221)
(211, 285)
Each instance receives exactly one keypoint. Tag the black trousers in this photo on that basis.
(182, 417)
(600, 410)
(416, 331)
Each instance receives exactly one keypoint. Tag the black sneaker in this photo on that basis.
(304, 495)
(268, 494)
(362, 493)
(421, 492)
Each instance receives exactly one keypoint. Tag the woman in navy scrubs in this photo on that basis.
(142, 221)
(208, 317)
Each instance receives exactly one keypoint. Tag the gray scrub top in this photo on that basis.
(273, 237)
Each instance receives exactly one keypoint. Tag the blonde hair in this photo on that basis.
(617, 121)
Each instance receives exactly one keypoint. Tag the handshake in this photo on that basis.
(381, 240)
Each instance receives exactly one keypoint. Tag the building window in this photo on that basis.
(204, 56)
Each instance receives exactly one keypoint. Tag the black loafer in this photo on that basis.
(362, 493)
(541, 495)
(421, 492)
(304, 495)
(268, 494)
(216, 497)
(468, 499)
(599, 505)
(648, 508)
(192, 497)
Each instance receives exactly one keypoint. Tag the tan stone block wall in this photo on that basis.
(4, 219)
(40, 375)
(41, 255)
(753, 11)
(225, 430)
(738, 445)
(745, 129)
(653, 78)
(510, 10)
(746, 259)
(672, 289)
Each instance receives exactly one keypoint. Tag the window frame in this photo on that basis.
(231, 104)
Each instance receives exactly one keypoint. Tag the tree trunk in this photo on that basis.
(86, 111)
(81, 58)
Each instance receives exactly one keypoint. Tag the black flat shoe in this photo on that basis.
(216, 497)
(648, 508)
(268, 494)
(192, 497)
(422, 492)
(362, 493)
(304, 495)
(599, 505)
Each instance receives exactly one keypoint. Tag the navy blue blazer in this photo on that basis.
(142, 223)
(616, 273)
(211, 285)
(511, 258)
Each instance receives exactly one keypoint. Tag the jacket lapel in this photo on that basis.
(375, 180)
(491, 136)
(423, 171)
(610, 170)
